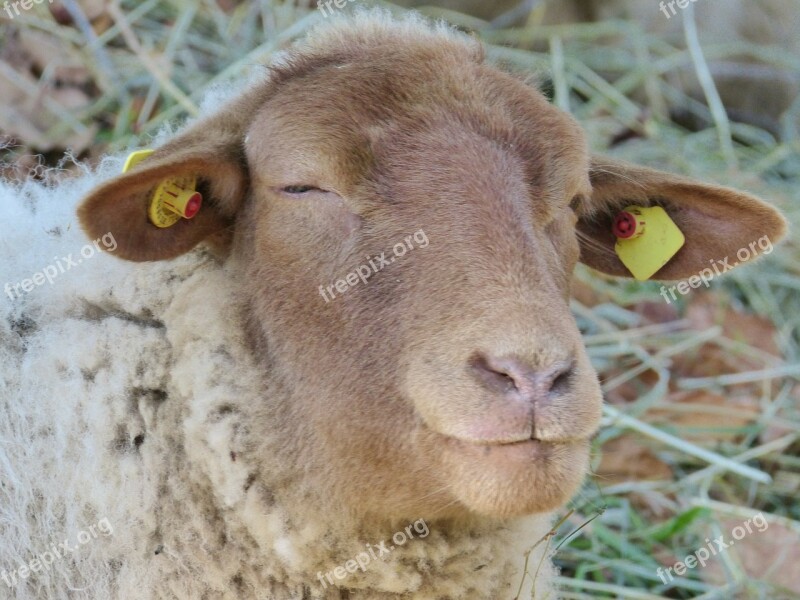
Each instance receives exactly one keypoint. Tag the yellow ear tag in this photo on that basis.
(647, 239)
(174, 199)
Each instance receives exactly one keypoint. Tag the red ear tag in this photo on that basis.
(173, 199)
(628, 225)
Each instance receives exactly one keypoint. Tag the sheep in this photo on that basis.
(197, 421)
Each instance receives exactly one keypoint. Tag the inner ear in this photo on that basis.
(597, 243)
(120, 206)
(716, 221)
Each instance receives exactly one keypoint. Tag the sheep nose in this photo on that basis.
(515, 379)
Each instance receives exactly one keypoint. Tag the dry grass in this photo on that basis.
(702, 426)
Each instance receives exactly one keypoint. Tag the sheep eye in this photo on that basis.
(299, 189)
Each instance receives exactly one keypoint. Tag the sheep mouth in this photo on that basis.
(522, 438)
(510, 479)
(512, 450)
(531, 449)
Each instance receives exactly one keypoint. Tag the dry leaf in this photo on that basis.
(92, 9)
(626, 458)
(41, 80)
(771, 556)
(657, 312)
(703, 426)
(707, 310)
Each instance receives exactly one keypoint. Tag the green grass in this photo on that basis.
(155, 61)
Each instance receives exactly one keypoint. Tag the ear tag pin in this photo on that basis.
(647, 239)
(174, 199)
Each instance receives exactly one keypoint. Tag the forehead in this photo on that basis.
(340, 117)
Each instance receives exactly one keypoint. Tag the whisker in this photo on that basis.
(593, 244)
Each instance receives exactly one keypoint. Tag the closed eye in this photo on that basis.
(297, 190)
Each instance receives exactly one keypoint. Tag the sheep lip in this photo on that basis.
(523, 448)
(507, 441)
(497, 440)
(528, 444)
(500, 457)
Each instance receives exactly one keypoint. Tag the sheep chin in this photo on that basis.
(509, 480)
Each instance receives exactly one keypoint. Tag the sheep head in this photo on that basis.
(403, 220)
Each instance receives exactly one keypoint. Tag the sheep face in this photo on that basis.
(463, 366)
(405, 220)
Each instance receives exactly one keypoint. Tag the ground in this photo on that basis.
(699, 455)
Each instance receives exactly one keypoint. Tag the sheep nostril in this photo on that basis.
(507, 381)
(562, 377)
(512, 377)
(494, 376)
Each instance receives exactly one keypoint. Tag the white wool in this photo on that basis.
(110, 350)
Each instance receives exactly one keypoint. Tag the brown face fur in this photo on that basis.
(454, 381)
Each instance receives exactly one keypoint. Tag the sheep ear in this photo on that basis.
(716, 221)
(212, 152)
